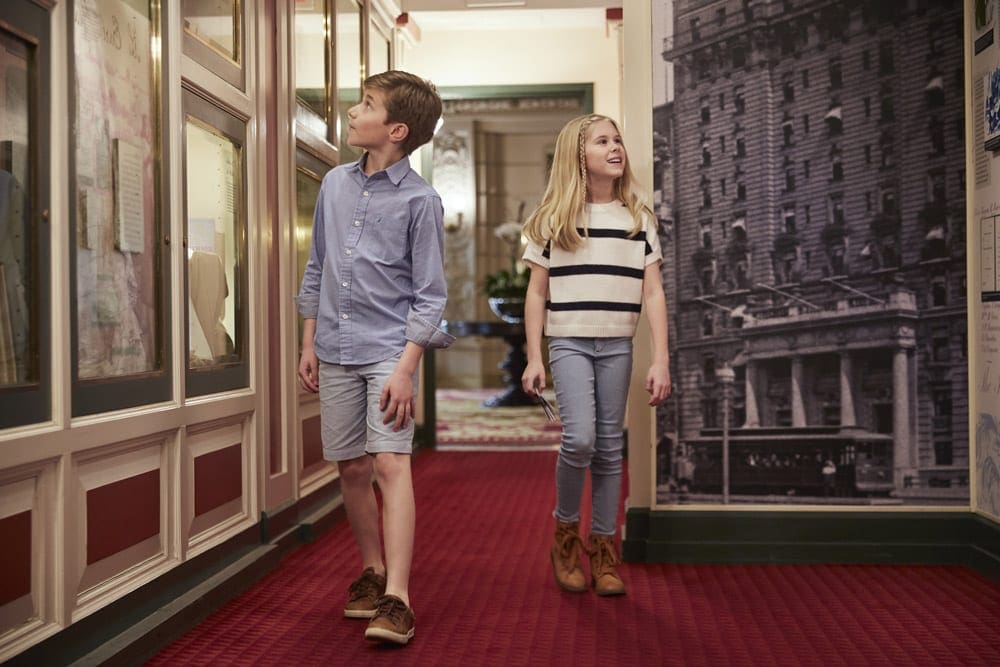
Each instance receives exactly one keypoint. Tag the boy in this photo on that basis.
(372, 298)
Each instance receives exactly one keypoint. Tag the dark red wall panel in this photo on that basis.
(218, 478)
(15, 557)
(122, 514)
(312, 442)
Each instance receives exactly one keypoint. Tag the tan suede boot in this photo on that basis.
(603, 559)
(565, 554)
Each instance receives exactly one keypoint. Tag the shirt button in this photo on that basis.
(345, 316)
(343, 284)
(348, 251)
(357, 223)
(365, 193)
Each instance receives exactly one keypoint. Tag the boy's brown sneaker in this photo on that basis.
(393, 621)
(565, 555)
(603, 560)
(364, 591)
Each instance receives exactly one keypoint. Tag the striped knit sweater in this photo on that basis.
(595, 291)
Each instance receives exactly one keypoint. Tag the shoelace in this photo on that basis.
(570, 545)
(363, 587)
(605, 556)
(392, 608)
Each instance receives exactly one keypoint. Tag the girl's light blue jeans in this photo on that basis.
(592, 379)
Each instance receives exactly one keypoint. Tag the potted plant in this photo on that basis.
(505, 289)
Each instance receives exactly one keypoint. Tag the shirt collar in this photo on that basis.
(395, 172)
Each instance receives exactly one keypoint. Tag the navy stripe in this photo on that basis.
(547, 250)
(649, 249)
(595, 305)
(611, 234)
(593, 269)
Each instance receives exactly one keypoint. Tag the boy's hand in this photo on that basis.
(533, 379)
(397, 401)
(658, 383)
(309, 370)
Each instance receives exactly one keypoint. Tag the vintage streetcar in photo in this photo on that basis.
(808, 461)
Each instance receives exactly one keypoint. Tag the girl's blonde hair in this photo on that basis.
(565, 196)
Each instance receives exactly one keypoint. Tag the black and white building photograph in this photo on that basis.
(810, 188)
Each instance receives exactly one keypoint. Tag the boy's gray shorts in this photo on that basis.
(351, 421)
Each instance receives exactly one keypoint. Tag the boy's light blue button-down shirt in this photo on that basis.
(375, 275)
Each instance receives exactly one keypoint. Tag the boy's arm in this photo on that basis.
(309, 363)
(655, 303)
(397, 401)
(430, 292)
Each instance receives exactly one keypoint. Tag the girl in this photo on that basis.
(594, 257)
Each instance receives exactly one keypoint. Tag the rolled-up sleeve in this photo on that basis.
(308, 298)
(430, 291)
(537, 254)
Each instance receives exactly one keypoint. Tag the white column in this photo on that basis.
(798, 408)
(900, 416)
(752, 412)
(848, 417)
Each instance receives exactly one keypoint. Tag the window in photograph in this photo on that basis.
(706, 110)
(886, 63)
(805, 78)
(788, 86)
(741, 147)
(739, 103)
(215, 213)
(837, 209)
(887, 107)
(836, 74)
(790, 178)
(934, 90)
(935, 130)
(738, 54)
(788, 219)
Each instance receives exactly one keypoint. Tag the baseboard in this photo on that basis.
(133, 628)
(687, 536)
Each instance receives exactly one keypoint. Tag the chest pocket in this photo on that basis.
(387, 237)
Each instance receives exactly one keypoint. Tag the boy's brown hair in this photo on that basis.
(409, 100)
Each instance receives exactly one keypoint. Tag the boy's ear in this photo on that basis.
(399, 132)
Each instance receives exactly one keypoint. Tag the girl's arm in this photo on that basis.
(534, 320)
(655, 303)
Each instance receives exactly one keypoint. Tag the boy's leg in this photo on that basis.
(395, 480)
(393, 620)
(343, 415)
(361, 508)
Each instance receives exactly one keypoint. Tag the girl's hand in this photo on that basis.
(658, 383)
(533, 379)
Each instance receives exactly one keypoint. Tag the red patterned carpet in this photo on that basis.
(463, 423)
(483, 595)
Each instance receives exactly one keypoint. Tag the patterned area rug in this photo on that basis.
(463, 423)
